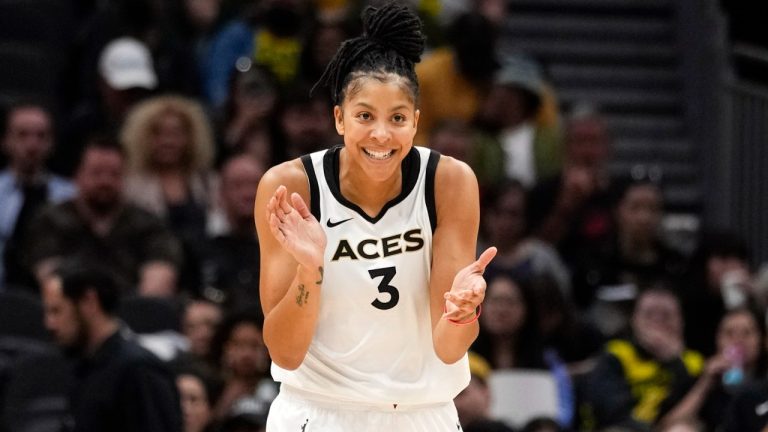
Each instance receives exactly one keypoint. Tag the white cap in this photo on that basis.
(127, 63)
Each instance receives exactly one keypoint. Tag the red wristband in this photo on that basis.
(477, 315)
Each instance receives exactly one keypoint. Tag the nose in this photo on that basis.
(380, 132)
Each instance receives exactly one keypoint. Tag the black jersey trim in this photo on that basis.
(314, 188)
(429, 188)
(409, 169)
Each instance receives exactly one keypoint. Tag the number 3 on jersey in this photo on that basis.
(387, 274)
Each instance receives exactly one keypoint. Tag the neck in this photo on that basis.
(101, 328)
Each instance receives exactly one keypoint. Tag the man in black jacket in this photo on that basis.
(120, 386)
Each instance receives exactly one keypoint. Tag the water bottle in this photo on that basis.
(734, 375)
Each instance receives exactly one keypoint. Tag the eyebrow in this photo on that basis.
(370, 107)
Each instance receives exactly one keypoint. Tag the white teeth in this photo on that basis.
(379, 155)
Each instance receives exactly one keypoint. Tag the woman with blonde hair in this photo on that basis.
(169, 145)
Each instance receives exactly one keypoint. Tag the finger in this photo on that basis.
(274, 227)
(300, 206)
(485, 259)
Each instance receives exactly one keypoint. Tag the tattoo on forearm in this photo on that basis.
(321, 275)
(301, 298)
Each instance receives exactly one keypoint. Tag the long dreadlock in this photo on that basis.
(391, 43)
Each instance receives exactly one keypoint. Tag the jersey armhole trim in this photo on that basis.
(429, 189)
(314, 189)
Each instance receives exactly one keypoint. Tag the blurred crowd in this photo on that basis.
(147, 162)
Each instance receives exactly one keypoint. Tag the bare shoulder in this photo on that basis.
(290, 174)
(451, 174)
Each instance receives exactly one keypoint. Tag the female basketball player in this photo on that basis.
(369, 285)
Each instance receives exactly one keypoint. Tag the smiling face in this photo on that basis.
(378, 120)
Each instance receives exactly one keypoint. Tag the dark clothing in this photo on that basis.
(231, 267)
(124, 388)
(748, 411)
(629, 388)
(703, 312)
(136, 238)
(605, 265)
(591, 223)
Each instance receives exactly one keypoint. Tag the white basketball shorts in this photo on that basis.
(294, 411)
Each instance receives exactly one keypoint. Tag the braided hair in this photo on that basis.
(391, 43)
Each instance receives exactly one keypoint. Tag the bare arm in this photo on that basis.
(690, 405)
(292, 245)
(456, 286)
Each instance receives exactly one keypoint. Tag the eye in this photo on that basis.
(398, 118)
(364, 116)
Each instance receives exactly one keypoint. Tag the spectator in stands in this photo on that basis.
(515, 145)
(740, 361)
(453, 80)
(199, 323)
(231, 259)
(509, 334)
(199, 20)
(323, 41)
(198, 391)
(25, 185)
(642, 378)
(126, 75)
(635, 256)
(169, 146)
(474, 402)
(238, 350)
(99, 226)
(249, 121)
(453, 138)
(719, 270)
(505, 227)
(573, 209)
(120, 386)
(273, 35)
(575, 340)
(305, 125)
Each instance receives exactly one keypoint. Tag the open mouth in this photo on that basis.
(379, 155)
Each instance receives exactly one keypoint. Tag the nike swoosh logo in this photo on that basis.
(333, 224)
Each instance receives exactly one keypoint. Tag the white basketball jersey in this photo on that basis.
(373, 342)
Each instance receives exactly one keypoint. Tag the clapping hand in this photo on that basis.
(297, 230)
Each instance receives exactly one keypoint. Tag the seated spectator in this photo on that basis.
(453, 80)
(509, 335)
(169, 144)
(575, 340)
(634, 257)
(199, 323)
(642, 378)
(198, 391)
(453, 138)
(231, 259)
(305, 125)
(474, 402)
(249, 119)
(505, 227)
(126, 75)
(739, 362)
(573, 208)
(120, 387)
(273, 35)
(99, 226)
(514, 145)
(243, 360)
(718, 278)
(25, 185)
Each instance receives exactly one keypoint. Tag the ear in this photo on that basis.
(338, 117)
(416, 115)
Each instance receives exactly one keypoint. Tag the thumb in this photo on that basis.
(300, 206)
(485, 259)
